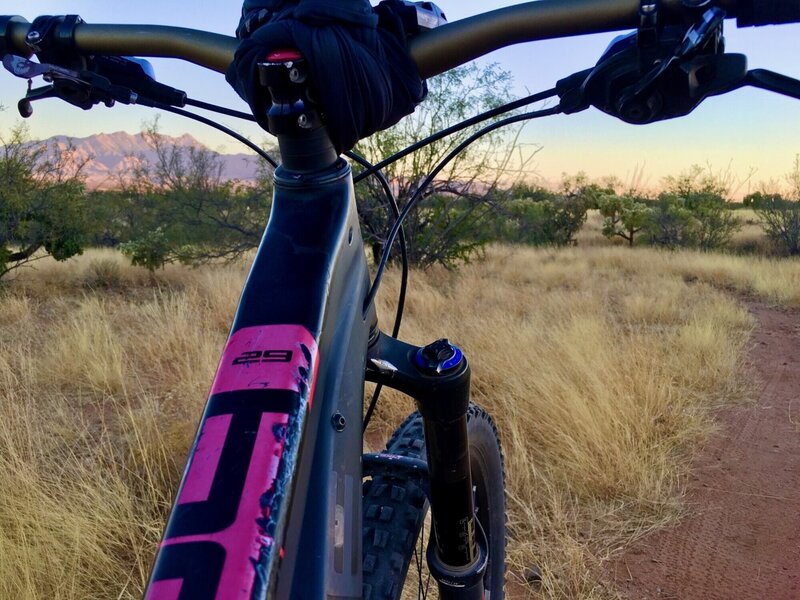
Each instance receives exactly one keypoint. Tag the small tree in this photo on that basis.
(41, 202)
(449, 225)
(671, 224)
(623, 216)
(704, 194)
(780, 217)
(179, 207)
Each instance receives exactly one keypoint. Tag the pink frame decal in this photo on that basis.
(273, 357)
(266, 357)
(205, 460)
(242, 541)
(167, 589)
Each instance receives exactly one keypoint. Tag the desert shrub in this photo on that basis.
(449, 224)
(41, 201)
(538, 217)
(179, 207)
(780, 217)
(152, 250)
(671, 224)
(705, 194)
(716, 222)
(623, 216)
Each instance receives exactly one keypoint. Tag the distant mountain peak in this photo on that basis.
(107, 154)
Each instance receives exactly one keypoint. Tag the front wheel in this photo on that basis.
(396, 521)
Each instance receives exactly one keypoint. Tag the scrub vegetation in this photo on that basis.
(603, 367)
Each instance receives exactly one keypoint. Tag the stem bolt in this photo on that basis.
(338, 421)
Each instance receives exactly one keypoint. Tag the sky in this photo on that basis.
(751, 133)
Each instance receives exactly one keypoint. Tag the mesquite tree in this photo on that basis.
(449, 224)
(623, 217)
(42, 201)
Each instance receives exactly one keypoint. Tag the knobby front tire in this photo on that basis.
(395, 511)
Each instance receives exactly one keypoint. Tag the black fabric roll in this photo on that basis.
(359, 63)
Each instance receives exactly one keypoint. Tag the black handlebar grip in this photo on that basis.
(750, 13)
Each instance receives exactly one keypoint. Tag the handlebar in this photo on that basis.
(434, 51)
(458, 42)
(211, 50)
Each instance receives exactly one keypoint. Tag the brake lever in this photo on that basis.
(698, 36)
(773, 82)
(83, 89)
(28, 69)
(25, 107)
(662, 79)
(89, 87)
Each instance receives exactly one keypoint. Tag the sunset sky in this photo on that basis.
(747, 130)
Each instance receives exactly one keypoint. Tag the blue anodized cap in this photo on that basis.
(439, 357)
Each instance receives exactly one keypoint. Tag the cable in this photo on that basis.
(376, 171)
(392, 201)
(401, 299)
(222, 128)
(398, 225)
(220, 109)
(484, 116)
(418, 194)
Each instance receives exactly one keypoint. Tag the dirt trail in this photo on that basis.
(741, 539)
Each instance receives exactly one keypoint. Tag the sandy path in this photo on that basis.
(741, 539)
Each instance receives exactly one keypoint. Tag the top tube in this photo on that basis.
(434, 51)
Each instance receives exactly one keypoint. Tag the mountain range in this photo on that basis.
(109, 155)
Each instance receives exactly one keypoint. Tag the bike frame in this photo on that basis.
(283, 420)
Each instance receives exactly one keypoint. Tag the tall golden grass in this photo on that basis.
(602, 367)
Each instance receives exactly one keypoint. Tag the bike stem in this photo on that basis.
(437, 376)
(294, 119)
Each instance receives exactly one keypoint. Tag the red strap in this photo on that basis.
(284, 55)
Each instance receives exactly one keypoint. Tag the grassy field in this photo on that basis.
(602, 366)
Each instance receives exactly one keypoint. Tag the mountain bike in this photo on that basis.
(278, 499)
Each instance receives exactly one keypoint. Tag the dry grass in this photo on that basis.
(103, 373)
(750, 239)
(591, 234)
(601, 365)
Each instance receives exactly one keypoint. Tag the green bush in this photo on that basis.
(539, 217)
(450, 223)
(179, 208)
(693, 212)
(780, 216)
(152, 250)
(671, 224)
(42, 201)
(780, 219)
(623, 216)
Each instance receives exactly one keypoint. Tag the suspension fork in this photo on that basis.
(437, 376)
